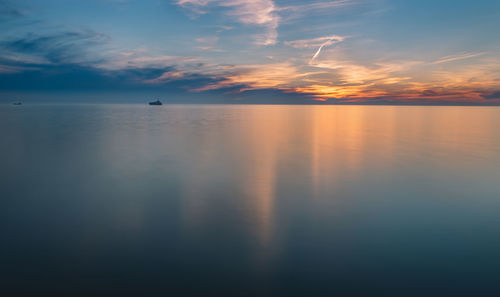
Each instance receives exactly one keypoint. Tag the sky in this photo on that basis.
(251, 51)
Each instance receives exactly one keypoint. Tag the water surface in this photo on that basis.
(215, 200)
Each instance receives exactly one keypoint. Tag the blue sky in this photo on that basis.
(375, 51)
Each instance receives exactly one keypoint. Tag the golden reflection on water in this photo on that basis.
(254, 148)
(328, 129)
(263, 139)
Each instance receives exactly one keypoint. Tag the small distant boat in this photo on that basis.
(17, 103)
(157, 102)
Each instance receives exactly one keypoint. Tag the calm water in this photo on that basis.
(130, 200)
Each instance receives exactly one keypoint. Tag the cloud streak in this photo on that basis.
(263, 13)
(315, 42)
(8, 10)
(60, 48)
(458, 57)
(249, 12)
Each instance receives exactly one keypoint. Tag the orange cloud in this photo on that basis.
(276, 75)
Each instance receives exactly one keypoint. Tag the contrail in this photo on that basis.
(326, 43)
(320, 48)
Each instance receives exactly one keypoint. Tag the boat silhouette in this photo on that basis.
(157, 102)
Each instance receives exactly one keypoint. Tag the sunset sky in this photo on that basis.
(251, 51)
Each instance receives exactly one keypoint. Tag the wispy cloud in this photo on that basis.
(351, 72)
(60, 48)
(211, 40)
(15, 69)
(263, 13)
(291, 12)
(458, 57)
(254, 77)
(208, 43)
(250, 12)
(8, 10)
(317, 5)
(141, 58)
(315, 42)
(167, 76)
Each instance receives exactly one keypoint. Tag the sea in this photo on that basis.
(249, 200)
